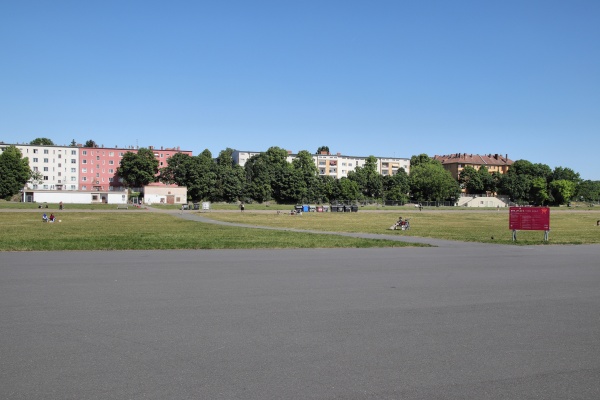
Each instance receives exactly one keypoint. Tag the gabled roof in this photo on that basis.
(474, 159)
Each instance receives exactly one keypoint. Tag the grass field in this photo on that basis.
(473, 225)
(24, 231)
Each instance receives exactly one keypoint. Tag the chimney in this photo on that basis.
(496, 156)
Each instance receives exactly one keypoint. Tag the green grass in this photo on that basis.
(24, 231)
(567, 227)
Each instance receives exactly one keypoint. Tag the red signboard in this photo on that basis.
(529, 218)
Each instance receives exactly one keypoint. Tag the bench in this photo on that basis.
(122, 207)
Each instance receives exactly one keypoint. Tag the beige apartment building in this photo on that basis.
(337, 165)
(455, 163)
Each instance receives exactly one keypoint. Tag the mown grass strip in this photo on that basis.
(567, 227)
(25, 231)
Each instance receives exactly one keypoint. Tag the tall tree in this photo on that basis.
(304, 166)
(42, 142)
(431, 182)
(14, 172)
(562, 191)
(368, 179)
(73, 143)
(567, 174)
(138, 169)
(396, 187)
(229, 178)
(589, 191)
(420, 159)
(90, 143)
(471, 180)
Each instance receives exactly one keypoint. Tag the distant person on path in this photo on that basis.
(242, 207)
(60, 205)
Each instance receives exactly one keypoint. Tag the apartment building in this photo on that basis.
(57, 166)
(98, 166)
(337, 165)
(455, 163)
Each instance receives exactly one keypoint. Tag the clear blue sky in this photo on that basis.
(384, 78)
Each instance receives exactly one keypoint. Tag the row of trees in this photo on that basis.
(530, 183)
(269, 177)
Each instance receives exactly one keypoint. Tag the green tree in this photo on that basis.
(589, 191)
(420, 159)
(396, 187)
(516, 186)
(229, 178)
(348, 190)
(305, 167)
(431, 182)
(323, 149)
(42, 142)
(14, 172)
(90, 143)
(562, 190)
(73, 143)
(471, 180)
(370, 182)
(538, 192)
(567, 174)
(138, 169)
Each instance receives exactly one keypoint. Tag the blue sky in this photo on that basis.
(384, 78)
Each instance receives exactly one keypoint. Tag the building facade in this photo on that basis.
(455, 163)
(57, 166)
(337, 165)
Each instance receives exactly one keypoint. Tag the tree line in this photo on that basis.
(269, 176)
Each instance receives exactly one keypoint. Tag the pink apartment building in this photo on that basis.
(98, 166)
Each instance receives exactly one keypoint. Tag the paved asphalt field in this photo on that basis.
(456, 322)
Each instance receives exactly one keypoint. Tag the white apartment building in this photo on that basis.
(57, 166)
(337, 165)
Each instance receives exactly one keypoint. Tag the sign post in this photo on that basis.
(529, 219)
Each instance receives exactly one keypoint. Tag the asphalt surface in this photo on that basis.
(450, 322)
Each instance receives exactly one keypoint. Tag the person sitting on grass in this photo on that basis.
(52, 218)
(44, 218)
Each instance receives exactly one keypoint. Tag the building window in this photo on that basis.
(35, 151)
(73, 170)
(84, 187)
(73, 161)
(84, 152)
(35, 169)
(35, 159)
(45, 177)
(45, 160)
(97, 157)
(111, 171)
(45, 186)
(111, 162)
(84, 170)
(45, 151)
(73, 152)
(73, 179)
(84, 179)
(84, 161)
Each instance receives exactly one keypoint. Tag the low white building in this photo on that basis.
(74, 197)
(160, 193)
